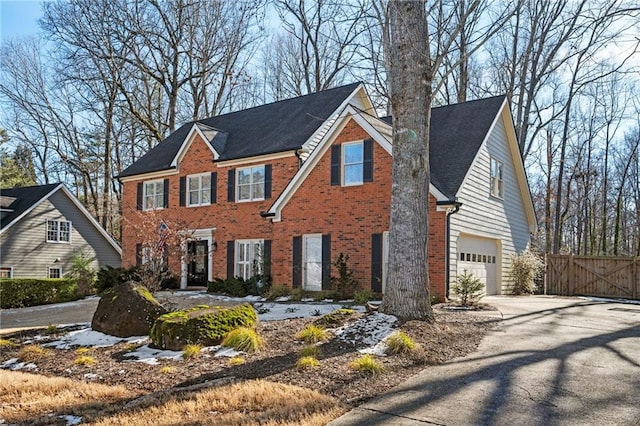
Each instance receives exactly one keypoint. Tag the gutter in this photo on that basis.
(453, 207)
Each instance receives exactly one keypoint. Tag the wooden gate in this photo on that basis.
(569, 275)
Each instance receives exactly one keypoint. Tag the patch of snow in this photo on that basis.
(13, 364)
(71, 420)
(283, 299)
(368, 331)
(90, 376)
(280, 311)
(604, 299)
(91, 338)
(150, 356)
(379, 349)
(228, 352)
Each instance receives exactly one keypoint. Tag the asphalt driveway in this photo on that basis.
(552, 361)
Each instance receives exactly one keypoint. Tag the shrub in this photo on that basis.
(238, 287)
(243, 339)
(170, 282)
(367, 364)
(363, 296)
(399, 342)
(312, 334)
(277, 291)
(297, 294)
(310, 351)
(108, 277)
(307, 362)
(85, 360)
(468, 288)
(344, 285)
(236, 360)
(191, 351)
(84, 274)
(525, 268)
(23, 292)
(32, 353)
(51, 329)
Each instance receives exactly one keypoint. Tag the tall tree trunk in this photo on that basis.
(411, 75)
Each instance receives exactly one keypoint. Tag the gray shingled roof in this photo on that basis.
(25, 198)
(276, 127)
(457, 131)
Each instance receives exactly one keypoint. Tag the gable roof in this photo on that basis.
(28, 198)
(267, 129)
(456, 134)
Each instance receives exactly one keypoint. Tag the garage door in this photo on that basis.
(479, 256)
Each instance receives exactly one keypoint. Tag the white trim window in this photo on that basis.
(248, 261)
(497, 178)
(153, 195)
(55, 272)
(352, 163)
(199, 190)
(6, 272)
(58, 231)
(250, 183)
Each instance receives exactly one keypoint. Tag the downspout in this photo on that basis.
(454, 207)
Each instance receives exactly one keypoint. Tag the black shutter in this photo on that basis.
(138, 254)
(326, 262)
(336, 154)
(367, 169)
(231, 258)
(139, 194)
(214, 187)
(231, 186)
(166, 194)
(297, 262)
(376, 263)
(183, 190)
(266, 258)
(267, 181)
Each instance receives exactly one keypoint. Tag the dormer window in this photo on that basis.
(497, 178)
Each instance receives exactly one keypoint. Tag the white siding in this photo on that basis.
(24, 246)
(485, 216)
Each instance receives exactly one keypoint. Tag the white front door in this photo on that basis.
(312, 262)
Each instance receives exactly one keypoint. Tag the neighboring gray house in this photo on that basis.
(43, 227)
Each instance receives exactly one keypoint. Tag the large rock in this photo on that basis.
(202, 325)
(127, 310)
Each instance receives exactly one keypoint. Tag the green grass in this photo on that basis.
(307, 362)
(367, 364)
(243, 339)
(313, 334)
(399, 342)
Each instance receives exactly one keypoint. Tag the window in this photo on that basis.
(58, 231)
(153, 195)
(249, 259)
(199, 190)
(6, 272)
(55, 272)
(497, 178)
(352, 163)
(250, 183)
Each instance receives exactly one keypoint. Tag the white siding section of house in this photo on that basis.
(485, 216)
(24, 247)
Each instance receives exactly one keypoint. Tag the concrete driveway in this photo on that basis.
(552, 361)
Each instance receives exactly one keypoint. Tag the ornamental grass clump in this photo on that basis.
(191, 351)
(5, 343)
(310, 350)
(32, 353)
(307, 362)
(85, 360)
(525, 268)
(236, 360)
(367, 364)
(399, 343)
(312, 334)
(243, 339)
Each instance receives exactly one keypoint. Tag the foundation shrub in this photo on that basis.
(525, 268)
(23, 292)
(468, 289)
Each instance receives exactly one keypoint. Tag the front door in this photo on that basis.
(197, 267)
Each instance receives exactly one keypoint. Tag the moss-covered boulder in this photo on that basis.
(127, 310)
(202, 325)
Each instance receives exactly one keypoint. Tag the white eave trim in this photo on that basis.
(150, 175)
(255, 159)
(77, 203)
(275, 211)
(195, 130)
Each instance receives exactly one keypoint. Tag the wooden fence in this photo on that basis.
(569, 275)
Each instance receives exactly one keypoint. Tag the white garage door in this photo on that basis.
(479, 256)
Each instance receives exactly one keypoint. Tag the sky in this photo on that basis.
(19, 18)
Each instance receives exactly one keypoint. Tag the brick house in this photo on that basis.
(291, 184)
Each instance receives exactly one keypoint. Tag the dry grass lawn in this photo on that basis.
(242, 403)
